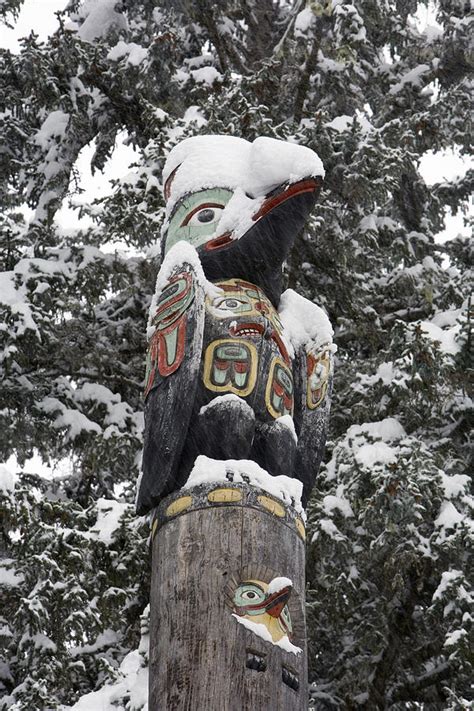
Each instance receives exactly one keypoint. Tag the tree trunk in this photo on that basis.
(206, 542)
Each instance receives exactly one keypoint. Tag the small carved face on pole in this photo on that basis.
(253, 602)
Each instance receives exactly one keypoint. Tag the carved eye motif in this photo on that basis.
(248, 594)
(205, 214)
(232, 304)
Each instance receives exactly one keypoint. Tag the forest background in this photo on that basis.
(373, 90)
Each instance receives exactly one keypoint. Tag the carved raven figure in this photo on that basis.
(235, 369)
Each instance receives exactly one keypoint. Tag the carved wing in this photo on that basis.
(313, 385)
(174, 356)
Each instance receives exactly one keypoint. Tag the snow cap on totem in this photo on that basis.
(230, 162)
(217, 187)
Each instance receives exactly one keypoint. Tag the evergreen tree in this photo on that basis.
(360, 83)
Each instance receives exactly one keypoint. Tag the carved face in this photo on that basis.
(250, 313)
(318, 371)
(195, 219)
(252, 602)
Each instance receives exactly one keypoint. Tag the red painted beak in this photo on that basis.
(310, 185)
(276, 602)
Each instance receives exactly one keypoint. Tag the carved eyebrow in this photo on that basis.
(254, 585)
(203, 206)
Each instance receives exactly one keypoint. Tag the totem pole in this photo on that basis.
(237, 402)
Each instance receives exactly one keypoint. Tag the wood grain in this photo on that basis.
(199, 654)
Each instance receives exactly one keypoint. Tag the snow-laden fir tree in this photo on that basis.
(371, 90)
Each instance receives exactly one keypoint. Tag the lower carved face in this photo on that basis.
(249, 312)
(253, 602)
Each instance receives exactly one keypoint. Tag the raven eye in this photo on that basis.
(249, 595)
(204, 215)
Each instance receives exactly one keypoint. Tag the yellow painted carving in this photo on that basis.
(318, 378)
(268, 391)
(255, 610)
(176, 507)
(242, 299)
(273, 506)
(154, 528)
(230, 387)
(300, 528)
(224, 495)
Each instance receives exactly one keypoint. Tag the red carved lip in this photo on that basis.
(247, 329)
(218, 242)
(257, 329)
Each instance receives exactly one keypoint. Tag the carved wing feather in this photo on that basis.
(172, 376)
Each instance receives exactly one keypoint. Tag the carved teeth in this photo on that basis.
(247, 332)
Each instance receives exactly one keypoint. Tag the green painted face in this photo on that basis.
(195, 218)
(249, 594)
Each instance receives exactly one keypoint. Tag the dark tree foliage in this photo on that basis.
(371, 91)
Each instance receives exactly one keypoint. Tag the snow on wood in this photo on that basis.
(220, 400)
(210, 471)
(262, 632)
(304, 323)
(278, 584)
(287, 421)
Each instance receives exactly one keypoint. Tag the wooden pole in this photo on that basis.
(205, 656)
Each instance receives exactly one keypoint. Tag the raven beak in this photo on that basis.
(276, 602)
(310, 185)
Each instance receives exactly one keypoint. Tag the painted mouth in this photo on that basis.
(218, 242)
(246, 329)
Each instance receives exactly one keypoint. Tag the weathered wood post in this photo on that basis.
(207, 543)
(237, 403)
